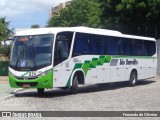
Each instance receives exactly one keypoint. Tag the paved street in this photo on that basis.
(5, 89)
(118, 96)
(114, 97)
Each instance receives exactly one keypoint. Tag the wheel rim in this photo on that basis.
(133, 78)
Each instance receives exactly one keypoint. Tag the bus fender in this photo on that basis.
(133, 69)
(74, 72)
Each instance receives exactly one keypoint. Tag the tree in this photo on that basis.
(79, 13)
(35, 26)
(139, 17)
(4, 31)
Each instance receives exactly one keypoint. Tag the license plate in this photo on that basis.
(26, 85)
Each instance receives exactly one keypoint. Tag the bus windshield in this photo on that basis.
(31, 52)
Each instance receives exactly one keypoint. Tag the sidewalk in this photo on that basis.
(5, 89)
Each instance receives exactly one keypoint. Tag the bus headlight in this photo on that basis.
(43, 73)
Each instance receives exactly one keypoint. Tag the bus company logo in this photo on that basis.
(6, 114)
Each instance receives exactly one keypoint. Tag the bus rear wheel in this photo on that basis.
(40, 90)
(133, 79)
(74, 87)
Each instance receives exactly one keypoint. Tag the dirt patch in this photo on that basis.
(4, 80)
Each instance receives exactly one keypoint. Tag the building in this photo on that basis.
(55, 11)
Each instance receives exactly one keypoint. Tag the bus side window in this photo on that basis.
(85, 45)
(137, 47)
(151, 47)
(112, 46)
(93, 45)
(108, 44)
(100, 42)
(144, 49)
(128, 46)
(77, 45)
(97, 45)
(81, 44)
(121, 46)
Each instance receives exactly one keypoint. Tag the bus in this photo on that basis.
(64, 57)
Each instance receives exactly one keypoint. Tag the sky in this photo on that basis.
(24, 13)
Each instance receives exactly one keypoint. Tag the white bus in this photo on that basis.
(65, 57)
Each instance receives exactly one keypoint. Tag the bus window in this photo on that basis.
(137, 47)
(112, 46)
(81, 44)
(121, 46)
(100, 42)
(62, 47)
(97, 45)
(151, 47)
(144, 49)
(128, 47)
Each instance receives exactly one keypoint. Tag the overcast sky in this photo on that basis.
(24, 13)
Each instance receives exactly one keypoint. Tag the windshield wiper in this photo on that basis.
(21, 53)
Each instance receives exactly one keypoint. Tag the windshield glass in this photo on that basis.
(31, 52)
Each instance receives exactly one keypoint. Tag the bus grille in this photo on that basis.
(32, 84)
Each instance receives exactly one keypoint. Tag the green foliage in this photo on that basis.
(4, 31)
(1, 49)
(5, 51)
(138, 17)
(35, 26)
(79, 13)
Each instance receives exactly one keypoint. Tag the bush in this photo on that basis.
(1, 49)
(4, 53)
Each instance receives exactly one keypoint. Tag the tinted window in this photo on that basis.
(112, 46)
(88, 44)
(81, 44)
(137, 47)
(62, 47)
(97, 45)
(127, 46)
(144, 49)
(151, 47)
(121, 46)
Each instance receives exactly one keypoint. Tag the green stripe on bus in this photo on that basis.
(100, 61)
(89, 64)
(93, 63)
(86, 66)
(108, 59)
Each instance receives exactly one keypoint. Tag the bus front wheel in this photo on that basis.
(133, 79)
(74, 87)
(40, 90)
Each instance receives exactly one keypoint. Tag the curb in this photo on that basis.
(12, 94)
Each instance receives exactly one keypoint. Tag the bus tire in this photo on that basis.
(74, 87)
(133, 79)
(40, 90)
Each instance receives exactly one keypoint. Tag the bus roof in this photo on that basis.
(55, 30)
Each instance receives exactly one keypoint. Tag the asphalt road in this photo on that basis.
(113, 97)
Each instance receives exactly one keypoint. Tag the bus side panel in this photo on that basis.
(61, 76)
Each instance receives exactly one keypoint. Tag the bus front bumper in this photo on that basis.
(45, 81)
